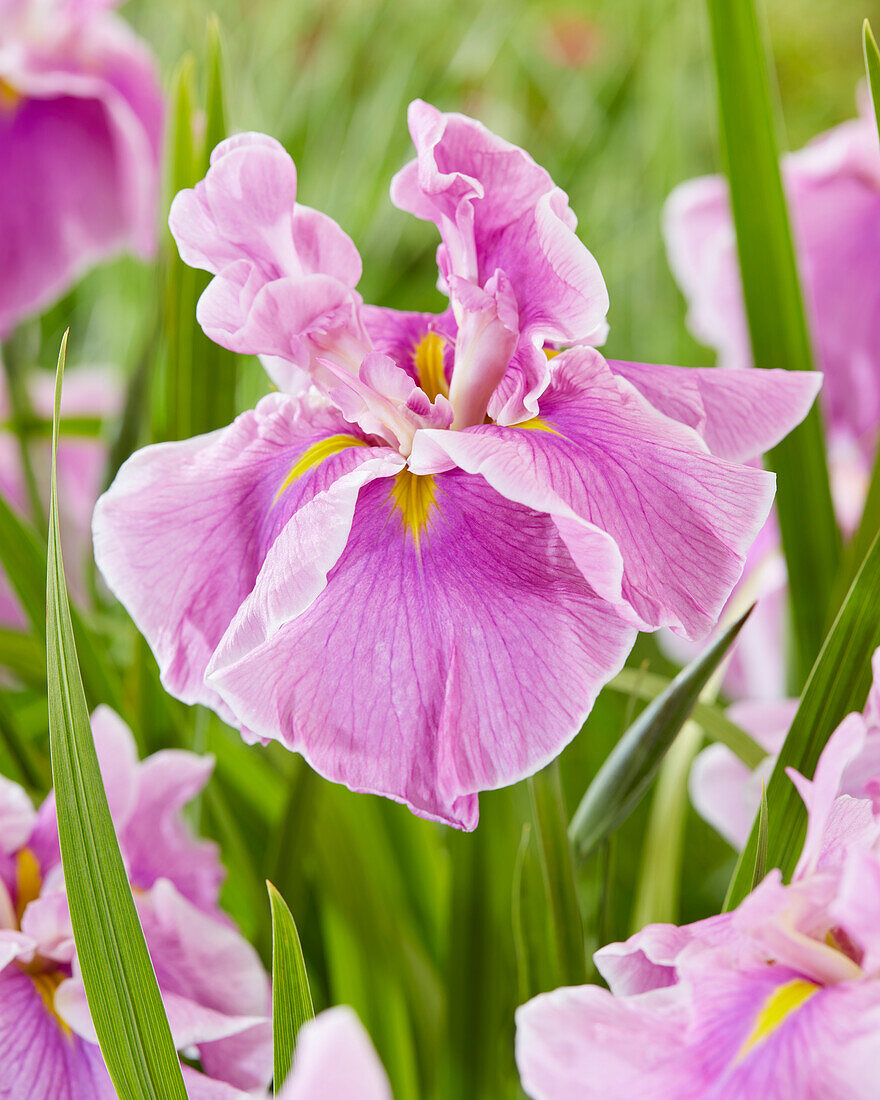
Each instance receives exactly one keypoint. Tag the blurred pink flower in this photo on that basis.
(80, 136)
(833, 190)
(215, 990)
(419, 565)
(92, 393)
(335, 1061)
(727, 794)
(779, 998)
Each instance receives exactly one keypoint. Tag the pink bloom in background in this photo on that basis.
(80, 136)
(419, 564)
(215, 990)
(727, 794)
(778, 999)
(90, 393)
(833, 190)
(335, 1061)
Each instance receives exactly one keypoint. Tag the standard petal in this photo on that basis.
(395, 679)
(336, 1061)
(681, 519)
(497, 209)
(740, 413)
(182, 533)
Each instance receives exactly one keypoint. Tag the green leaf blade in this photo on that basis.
(117, 973)
(291, 996)
(775, 313)
(632, 764)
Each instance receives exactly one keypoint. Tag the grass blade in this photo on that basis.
(872, 66)
(775, 312)
(632, 764)
(117, 973)
(710, 718)
(838, 685)
(763, 826)
(557, 865)
(291, 996)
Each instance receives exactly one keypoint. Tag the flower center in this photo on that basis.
(428, 361)
(9, 97)
(781, 1003)
(415, 498)
(28, 881)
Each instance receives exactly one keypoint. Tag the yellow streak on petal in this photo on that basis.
(781, 1003)
(551, 353)
(428, 360)
(316, 454)
(9, 97)
(46, 984)
(536, 424)
(415, 497)
(28, 881)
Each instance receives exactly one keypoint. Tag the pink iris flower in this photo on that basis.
(215, 990)
(778, 999)
(833, 191)
(80, 140)
(335, 1061)
(90, 393)
(420, 561)
(727, 794)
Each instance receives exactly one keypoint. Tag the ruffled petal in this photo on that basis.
(386, 673)
(739, 413)
(182, 533)
(681, 519)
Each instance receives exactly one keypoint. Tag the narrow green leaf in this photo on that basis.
(709, 717)
(28, 770)
(291, 995)
(838, 684)
(761, 853)
(775, 312)
(658, 889)
(872, 66)
(557, 864)
(632, 764)
(117, 973)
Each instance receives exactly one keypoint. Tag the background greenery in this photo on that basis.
(435, 936)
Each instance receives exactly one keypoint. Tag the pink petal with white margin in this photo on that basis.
(182, 533)
(583, 1042)
(681, 518)
(394, 679)
(335, 1061)
(740, 413)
